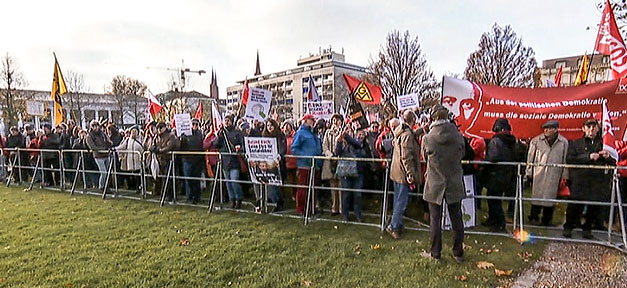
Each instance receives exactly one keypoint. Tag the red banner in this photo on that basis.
(476, 107)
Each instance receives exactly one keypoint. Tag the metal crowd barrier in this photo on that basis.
(170, 177)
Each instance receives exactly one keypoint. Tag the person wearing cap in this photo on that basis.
(231, 140)
(193, 165)
(305, 144)
(498, 178)
(405, 171)
(99, 143)
(588, 184)
(547, 148)
(50, 141)
(443, 149)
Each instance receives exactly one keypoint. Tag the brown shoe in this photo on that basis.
(393, 233)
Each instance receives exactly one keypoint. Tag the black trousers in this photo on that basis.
(547, 214)
(573, 216)
(48, 174)
(496, 214)
(455, 213)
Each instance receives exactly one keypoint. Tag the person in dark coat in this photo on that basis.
(587, 184)
(231, 140)
(50, 141)
(498, 178)
(17, 140)
(193, 165)
(90, 167)
(356, 147)
(443, 149)
(99, 143)
(273, 130)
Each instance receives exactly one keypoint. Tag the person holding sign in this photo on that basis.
(230, 140)
(272, 130)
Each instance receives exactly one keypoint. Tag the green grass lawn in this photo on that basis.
(50, 239)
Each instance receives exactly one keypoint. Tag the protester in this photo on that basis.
(50, 141)
(290, 162)
(231, 140)
(547, 148)
(587, 184)
(193, 165)
(164, 143)
(100, 143)
(349, 147)
(89, 164)
(443, 149)
(306, 144)
(404, 171)
(131, 150)
(329, 166)
(14, 141)
(498, 178)
(272, 130)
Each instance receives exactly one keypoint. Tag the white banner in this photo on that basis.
(263, 160)
(321, 109)
(35, 108)
(469, 215)
(258, 107)
(183, 124)
(408, 101)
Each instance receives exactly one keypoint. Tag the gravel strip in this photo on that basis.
(576, 265)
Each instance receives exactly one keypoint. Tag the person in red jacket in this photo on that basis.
(290, 162)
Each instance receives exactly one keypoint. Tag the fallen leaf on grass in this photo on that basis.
(466, 247)
(184, 242)
(500, 273)
(306, 283)
(3, 279)
(375, 246)
(544, 268)
(68, 285)
(462, 277)
(484, 265)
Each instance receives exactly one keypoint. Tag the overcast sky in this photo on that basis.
(102, 39)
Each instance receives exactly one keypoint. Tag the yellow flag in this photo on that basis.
(58, 89)
(582, 75)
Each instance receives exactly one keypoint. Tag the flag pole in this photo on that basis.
(589, 66)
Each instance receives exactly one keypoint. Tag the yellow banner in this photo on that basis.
(58, 89)
(582, 75)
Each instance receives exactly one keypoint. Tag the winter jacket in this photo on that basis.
(621, 148)
(305, 143)
(589, 184)
(234, 137)
(406, 156)
(50, 142)
(193, 143)
(351, 147)
(131, 160)
(99, 143)
(546, 179)
(500, 149)
(329, 142)
(443, 149)
(290, 162)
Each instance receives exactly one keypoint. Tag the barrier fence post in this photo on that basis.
(216, 176)
(621, 214)
(43, 173)
(114, 164)
(220, 178)
(32, 181)
(12, 170)
(142, 174)
(108, 177)
(61, 171)
(82, 162)
(384, 207)
(19, 167)
(165, 186)
(519, 208)
(309, 202)
(78, 166)
(173, 178)
(610, 221)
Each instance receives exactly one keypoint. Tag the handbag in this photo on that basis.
(563, 191)
(346, 168)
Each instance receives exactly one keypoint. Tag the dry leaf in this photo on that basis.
(68, 285)
(184, 242)
(544, 268)
(466, 247)
(375, 246)
(462, 277)
(3, 279)
(484, 265)
(306, 283)
(502, 272)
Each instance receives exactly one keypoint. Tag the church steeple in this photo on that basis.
(258, 67)
(213, 87)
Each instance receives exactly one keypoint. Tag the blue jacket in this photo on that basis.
(305, 143)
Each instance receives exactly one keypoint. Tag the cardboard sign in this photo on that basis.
(263, 160)
(34, 108)
(183, 124)
(469, 215)
(258, 107)
(409, 101)
(321, 109)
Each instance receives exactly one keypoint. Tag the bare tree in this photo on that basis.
(502, 60)
(75, 97)
(620, 12)
(401, 68)
(127, 93)
(11, 79)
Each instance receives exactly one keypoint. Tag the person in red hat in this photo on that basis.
(306, 144)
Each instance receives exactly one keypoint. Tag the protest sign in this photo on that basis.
(409, 101)
(258, 107)
(321, 109)
(476, 106)
(183, 124)
(469, 215)
(35, 108)
(263, 160)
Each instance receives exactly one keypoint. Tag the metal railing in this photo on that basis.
(15, 166)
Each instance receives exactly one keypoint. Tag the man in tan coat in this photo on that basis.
(404, 170)
(546, 148)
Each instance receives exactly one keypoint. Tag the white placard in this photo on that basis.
(321, 109)
(258, 107)
(263, 160)
(35, 108)
(183, 124)
(408, 101)
(469, 215)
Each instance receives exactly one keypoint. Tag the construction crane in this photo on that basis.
(182, 71)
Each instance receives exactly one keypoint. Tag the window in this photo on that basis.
(559, 64)
(306, 89)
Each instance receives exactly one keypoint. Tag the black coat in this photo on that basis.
(234, 137)
(589, 184)
(52, 142)
(355, 149)
(193, 143)
(502, 148)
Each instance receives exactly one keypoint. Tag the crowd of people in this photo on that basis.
(423, 154)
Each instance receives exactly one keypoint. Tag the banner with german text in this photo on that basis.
(476, 107)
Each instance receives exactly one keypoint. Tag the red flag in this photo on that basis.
(312, 92)
(610, 42)
(173, 123)
(608, 134)
(364, 92)
(558, 77)
(215, 116)
(245, 92)
(198, 111)
(153, 104)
